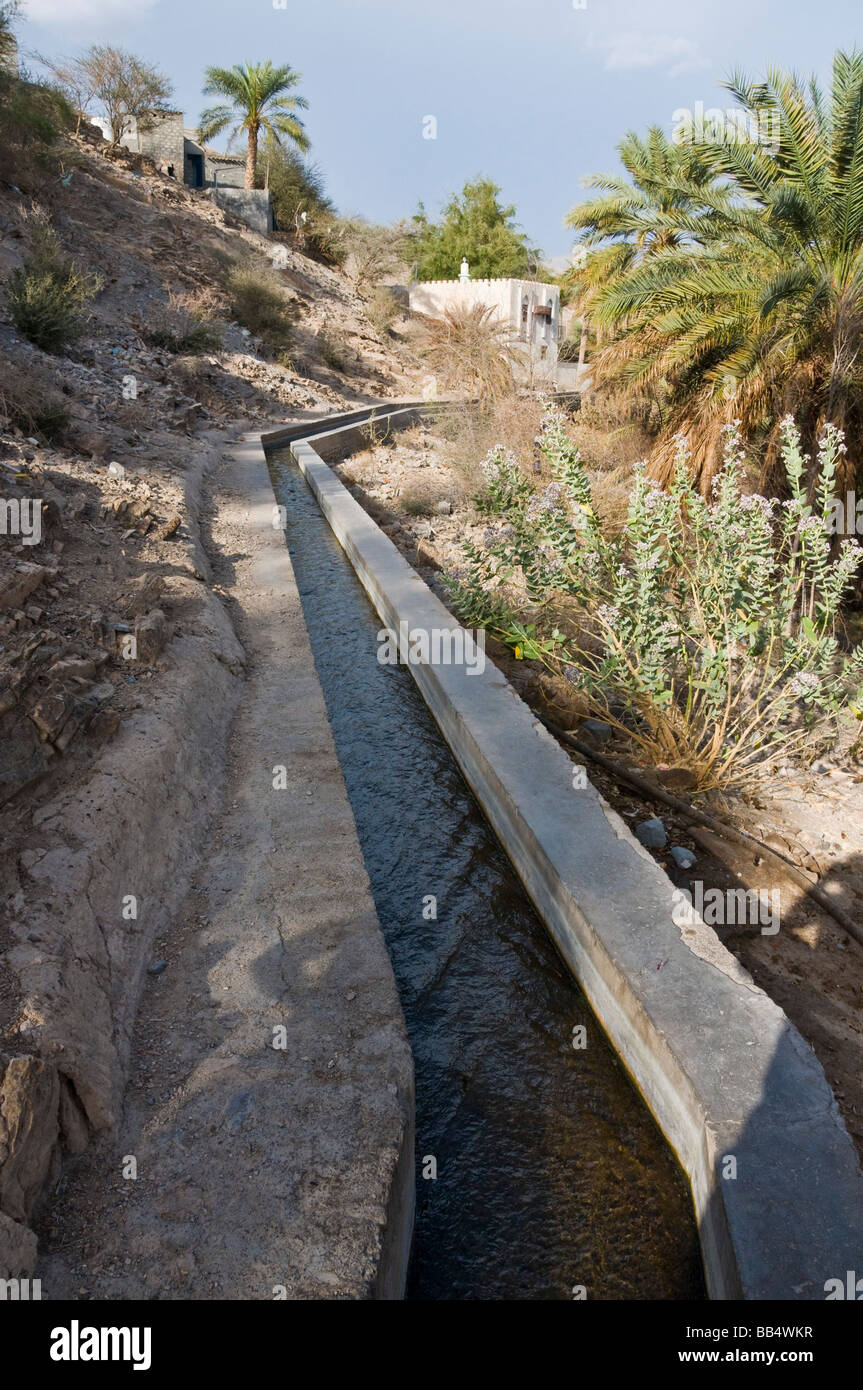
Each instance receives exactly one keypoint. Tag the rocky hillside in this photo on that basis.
(112, 634)
(127, 420)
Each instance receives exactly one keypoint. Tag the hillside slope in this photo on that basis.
(120, 669)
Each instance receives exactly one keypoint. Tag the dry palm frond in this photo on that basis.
(471, 349)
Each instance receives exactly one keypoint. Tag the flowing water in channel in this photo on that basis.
(550, 1171)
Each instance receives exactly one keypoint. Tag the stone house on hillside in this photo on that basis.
(530, 307)
(176, 150)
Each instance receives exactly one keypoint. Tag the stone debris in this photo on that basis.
(652, 833)
(19, 584)
(151, 634)
(683, 858)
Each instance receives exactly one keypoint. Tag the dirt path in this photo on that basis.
(262, 1170)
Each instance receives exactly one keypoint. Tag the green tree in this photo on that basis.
(33, 115)
(736, 278)
(632, 220)
(296, 184)
(257, 99)
(476, 226)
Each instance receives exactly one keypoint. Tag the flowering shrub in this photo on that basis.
(705, 630)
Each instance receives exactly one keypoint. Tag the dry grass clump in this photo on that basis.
(257, 302)
(382, 310)
(468, 434)
(418, 500)
(330, 352)
(31, 402)
(608, 437)
(186, 324)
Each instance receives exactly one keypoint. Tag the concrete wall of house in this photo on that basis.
(224, 173)
(168, 142)
(515, 302)
(254, 206)
(161, 139)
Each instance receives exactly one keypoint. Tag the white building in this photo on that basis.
(531, 308)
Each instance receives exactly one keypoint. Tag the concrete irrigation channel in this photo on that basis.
(739, 1096)
(537, 1167)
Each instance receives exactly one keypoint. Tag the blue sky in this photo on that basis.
(534, 94)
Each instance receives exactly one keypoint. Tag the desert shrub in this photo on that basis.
(417, 502)
(382, 310)
(329, 351)
(705, 630)
(184, 326)
(30, 402)
(609, 435)
(322, 238)
(470, 432)
(370, 251)
(257, 302)
(45, 297)
(377, 433)
(471, 349)
(33, 115)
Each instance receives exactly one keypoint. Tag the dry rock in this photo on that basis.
(17, 1249)
(144, 593)
(17, 586)
(29, 1127)
(151, 634)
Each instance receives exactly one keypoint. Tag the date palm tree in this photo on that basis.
(258, 97)
(739, 283)
(631, 220)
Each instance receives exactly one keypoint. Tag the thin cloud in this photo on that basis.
(636, 51)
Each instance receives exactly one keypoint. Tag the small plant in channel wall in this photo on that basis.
(706, 630)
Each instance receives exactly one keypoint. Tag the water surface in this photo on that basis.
(551, 1173)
